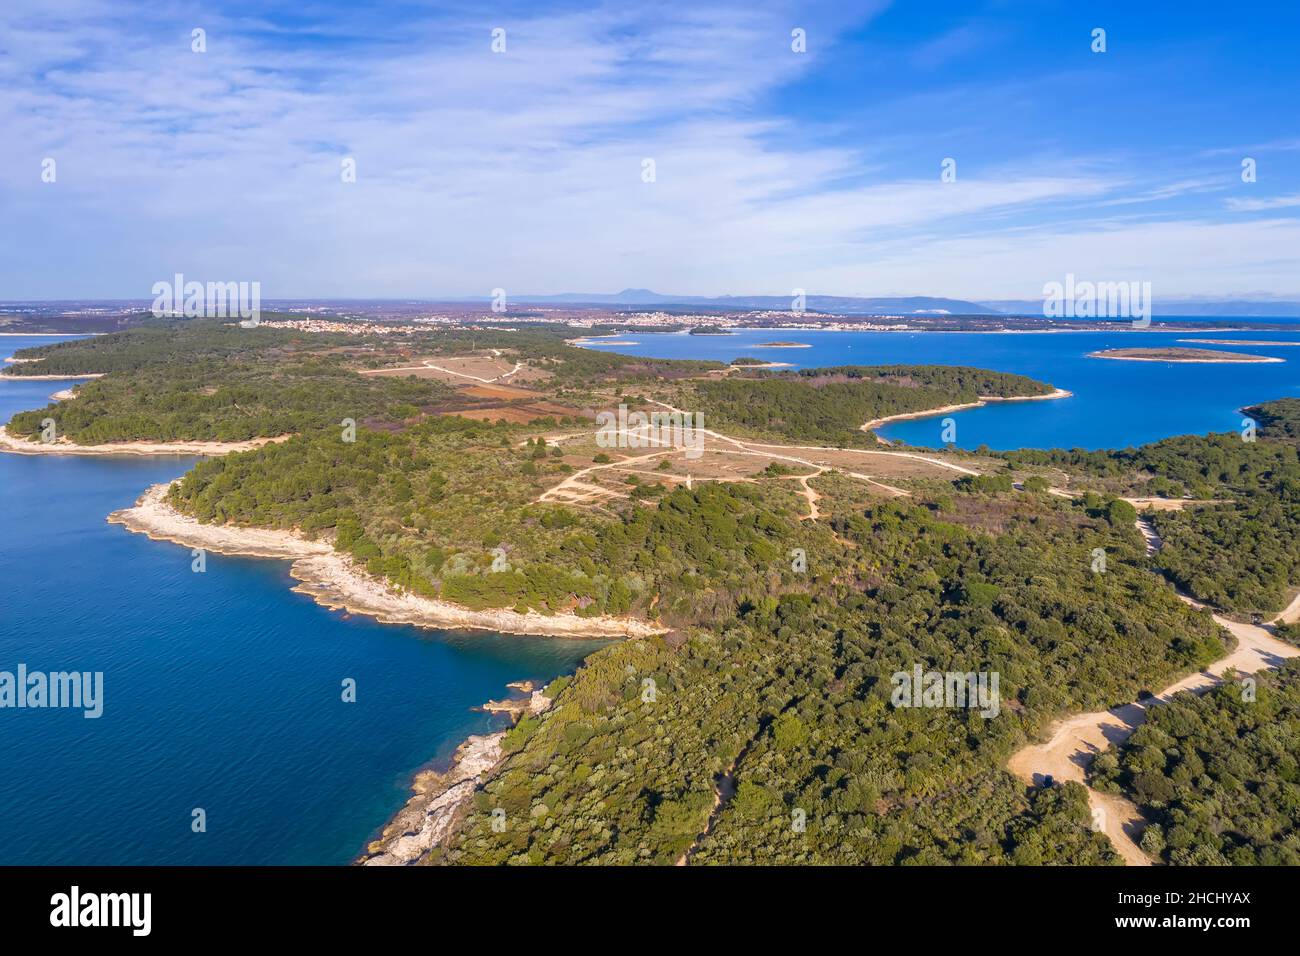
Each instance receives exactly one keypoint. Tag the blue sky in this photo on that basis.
(774, 169)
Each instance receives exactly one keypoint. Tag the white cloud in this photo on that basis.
(520, 170)
(1256, 205)
(1179, 258)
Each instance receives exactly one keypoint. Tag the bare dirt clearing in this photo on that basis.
(718, 457)
(461, 370)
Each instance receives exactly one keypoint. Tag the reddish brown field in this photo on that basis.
(499, 392)
(530, 412)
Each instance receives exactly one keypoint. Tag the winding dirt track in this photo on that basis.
(564, 490)
(1075, 741)
(757, 449)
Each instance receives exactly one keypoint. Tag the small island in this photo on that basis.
(710, 330)
(782, 345)
(1175, 354)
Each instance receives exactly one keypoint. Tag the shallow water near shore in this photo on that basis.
(222, 690)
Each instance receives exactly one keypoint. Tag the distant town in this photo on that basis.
(401, 317)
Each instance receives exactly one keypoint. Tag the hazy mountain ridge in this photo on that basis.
(843, 304)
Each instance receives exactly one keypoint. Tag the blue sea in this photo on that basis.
(222, 690)
(1116, 404)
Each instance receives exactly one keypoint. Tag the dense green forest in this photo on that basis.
(1240, 557)
(228, 400)
(960, 380)
(1279, 420)
(217, 381)
(212, 381)
(790, 700)
(779, 675)
(831, 405)
(157, 343)
(1217, 775)
(760, 727)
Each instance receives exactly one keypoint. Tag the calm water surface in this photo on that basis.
(222, 690)
(1116, 404)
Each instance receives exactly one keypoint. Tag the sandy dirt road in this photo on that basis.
(1074, 742)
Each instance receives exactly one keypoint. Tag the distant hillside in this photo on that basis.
(1229, 308)
(847, 305)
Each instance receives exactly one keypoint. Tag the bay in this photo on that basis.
(1115, 404)
(222, 690)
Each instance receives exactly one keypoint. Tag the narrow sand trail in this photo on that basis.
(448, 371)
(1075, 741)
(1291, 612)
(563, 491)
(809, 494)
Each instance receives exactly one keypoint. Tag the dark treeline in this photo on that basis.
(164, 343)
(961, 380)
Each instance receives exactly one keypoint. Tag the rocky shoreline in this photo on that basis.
(49, 378)
(332, 580)
(430, 815)
(25, 446)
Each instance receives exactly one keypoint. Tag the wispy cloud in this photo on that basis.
(525, 169)
(1255, 205)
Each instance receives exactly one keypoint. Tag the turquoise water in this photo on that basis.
(222, 690)
(1115, 404)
